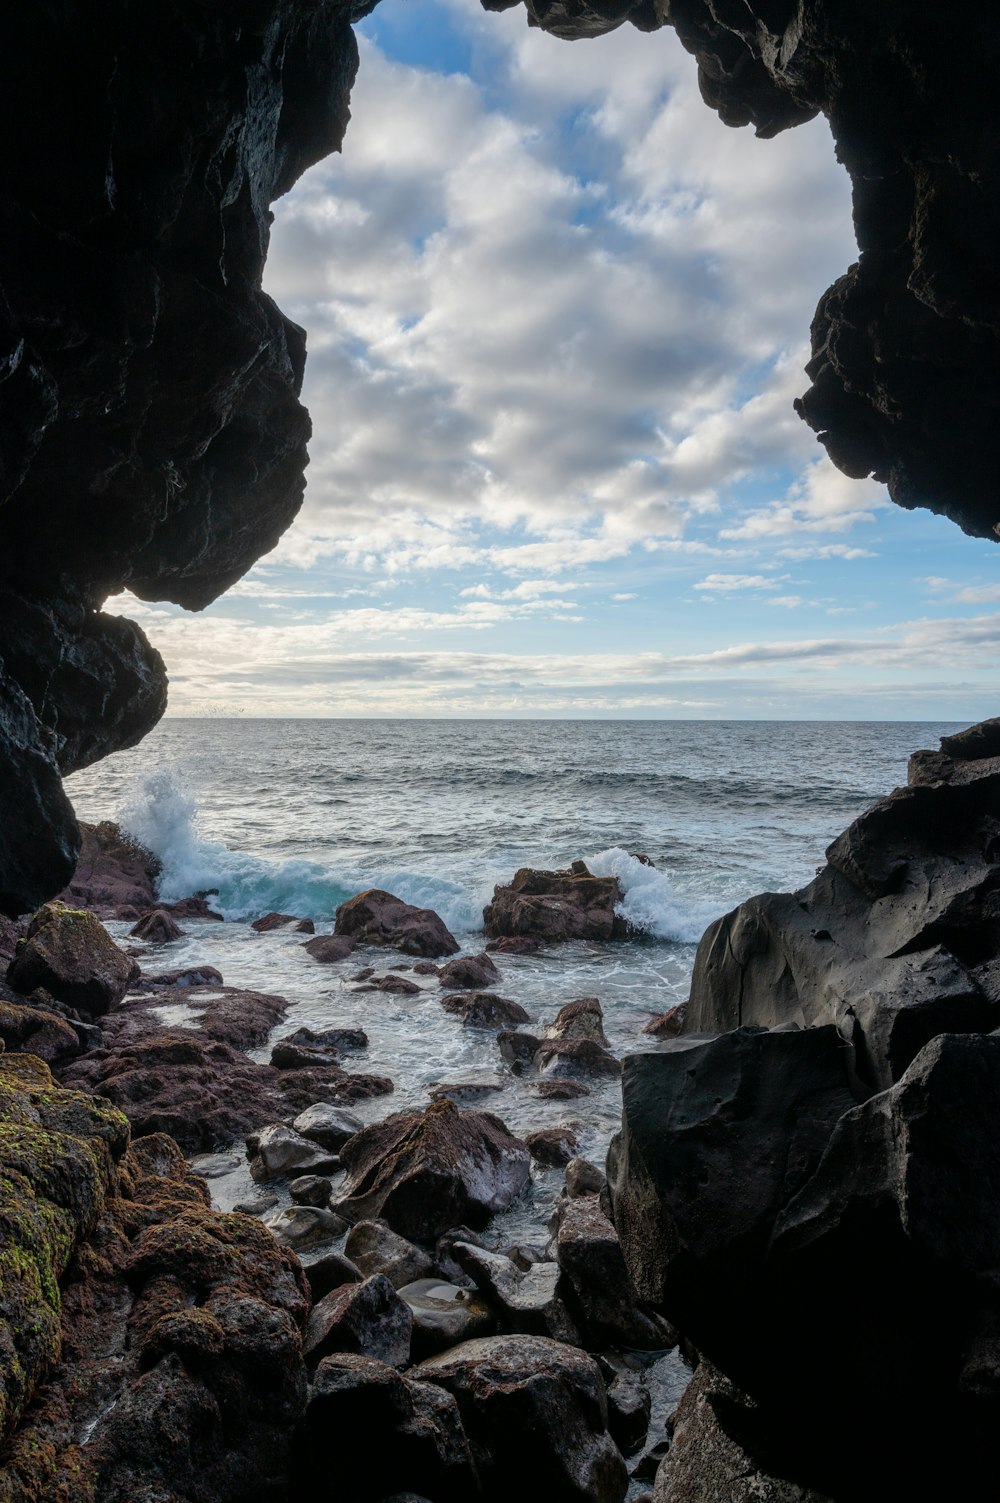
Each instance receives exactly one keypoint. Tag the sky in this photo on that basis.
(557, 314)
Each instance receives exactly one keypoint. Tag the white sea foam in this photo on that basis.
(651, 903)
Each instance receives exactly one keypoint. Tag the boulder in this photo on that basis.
(552, 1146)
(629, 1409)
(468, 1085)
(192, 975)
(329, 948)
(425, 1172)
(71, 955)
(304, 1226)
(270, 921)
(278, 1151)
(115, 876)
(527, 1300)
(376, 1248)
(532, 1408)
(667, 1025)
(474, 972)
(421, 1442)
(400, 986)
(561, 1090)
(517, 1048)
(378, 918)
(583, 1178)
(156, 927)
(554, 906)
(329, 1126)
(896, 939)
(484, 1010)
(597, 1285)
(514, 944)
(367, 1318)
(196, 906)
(444, 1315)
(575, 1057)
(326, 1269)
(38, 1031)
(582, 1019)
(311, 1190)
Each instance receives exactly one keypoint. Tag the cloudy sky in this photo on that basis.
(557, 315)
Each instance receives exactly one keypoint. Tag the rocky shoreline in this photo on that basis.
(801, 1203)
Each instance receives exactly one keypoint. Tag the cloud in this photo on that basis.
(821, 500)
(727, 584)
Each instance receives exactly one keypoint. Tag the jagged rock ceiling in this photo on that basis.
(152, 434)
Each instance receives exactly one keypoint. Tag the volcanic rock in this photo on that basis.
(400, 986)
(555, 906)
(269, 921)
(278, 1151)
(552, 1146)
(669, 1024)
(115, 876)
(583, 1178)
(444, 1315)
(376, 1248)
(156, 927)
(421, 1440)
(474, 972)
(574, 1057)
(551, 1398)
(192, 975)
(329, 1126)
(425, 1172)
(527, 1300)
(367, 1318)
(484, 1009)
(896, 939)
(71, 955)
(304, 1226)
(378, 918)
(598, 1289)
(329, 948)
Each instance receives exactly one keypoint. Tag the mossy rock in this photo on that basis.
(70, 953)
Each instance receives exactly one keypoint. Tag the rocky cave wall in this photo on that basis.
(152, 434)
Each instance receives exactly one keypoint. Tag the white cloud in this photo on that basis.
(821, 500)
(726, 584)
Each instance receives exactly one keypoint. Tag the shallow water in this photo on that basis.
(299, 815)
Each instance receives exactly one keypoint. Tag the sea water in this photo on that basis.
(298, 815)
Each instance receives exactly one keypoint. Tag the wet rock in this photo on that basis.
(444, 1255)
(376, 1248)
(526, 1300)
(206, 1093)
(421, 1440)
(560, 1090)
(426, 1172)
(897, 938)
(305, 1226)
(484, 1009)
(327, 1269)
(378, 918)
(582, 1019)
(288, 1054)
(514, 944)
(554, 906)
(400, 986)
(598, 1286)
(552, 1398)
(311, 1190)
(196, 906)
(474, 972)
(367, 1318)
(192, 975)
(156, 927)
(583, 1178)
(270, 921)
(517, 1048)
(470, 1085)
(329, 948)
(629, 1408)
(426, 968)
(669, 1024)
(329, 1038)
(706, 1459)
(329, 1126)
(38, 1031)
(258, 1206)
(363, 974)
(115, 876)
(71, 955)
(279, 1151)
(443, 1315)
(552, 1146)
(574, 1057)
(215, 1165)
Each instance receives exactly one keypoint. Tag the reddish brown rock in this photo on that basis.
(669, 1024)
(378, 918)
(156, 927)
(192, 975)
(367, 1318)
(514, 944)
(575, 1057)
(472, 971)
(195, 907)
(115, 876)
(36, 1030)
(485, 1010)
(582, 1019)
(552, 1146)
(400, 986)
(72, 956)
(329, 948)
(269, 921)
(423, 1173)
(555, 906)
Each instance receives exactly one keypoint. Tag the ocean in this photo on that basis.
(297, 815)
